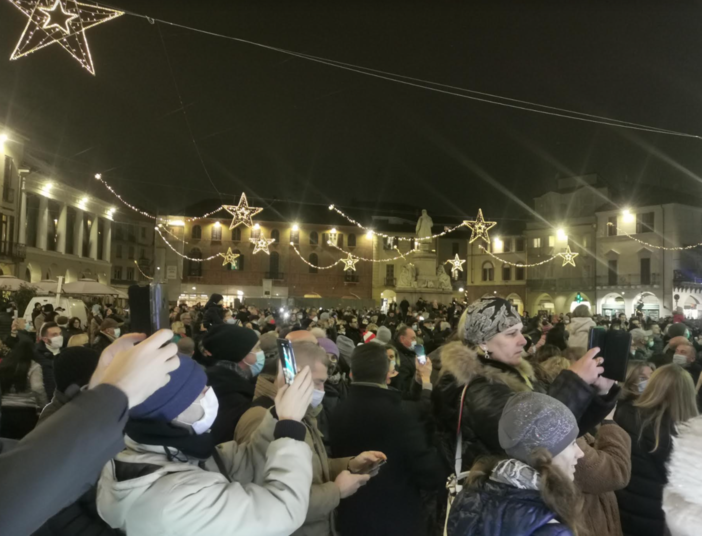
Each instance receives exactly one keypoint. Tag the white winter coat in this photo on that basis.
(579, 328)
(682, 496)
(182, 499)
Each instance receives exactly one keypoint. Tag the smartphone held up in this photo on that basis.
(287, 360)
(615, 349)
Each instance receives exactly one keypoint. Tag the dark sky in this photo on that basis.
(276, 126)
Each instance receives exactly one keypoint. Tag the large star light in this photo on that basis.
(349, 263)
(456, 266)
(229, 257)
(63, 22)
(479, 227)
(568, 256)
(262, 244)
(242, 212)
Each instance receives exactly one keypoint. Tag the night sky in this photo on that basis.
(277, 126)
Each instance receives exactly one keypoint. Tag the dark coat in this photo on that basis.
(22, 335)
(355, 335)
(372, 418)
(640, 502)
(5, 324)
(235, 394)
(490, 385)
(495, 509)
(84, 435)
(214, 315)
(45, 358)
(405, 374)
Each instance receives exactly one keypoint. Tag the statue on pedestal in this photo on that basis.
(424, 225)
(405, 279)
(444, 279)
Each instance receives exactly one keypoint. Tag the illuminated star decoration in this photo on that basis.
(456, 266)
(242, 212)
(262, 244)
(349, 263)
(229, 257)
(568, 256)
(479, 227)
(63, 22)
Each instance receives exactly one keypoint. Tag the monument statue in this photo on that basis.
(424, 225)
(444, 279)
(405, 279)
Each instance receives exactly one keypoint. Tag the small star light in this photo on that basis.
(242, 212)
(349, 263)
(479, 227)
(262, 244)
(63, 22)
(229, 257)
(568, 256)
(456, 266)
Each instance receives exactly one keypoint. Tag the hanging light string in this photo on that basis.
(98, 176)
(400, 256)
(428, 85)
(666, 248)
(447, 230)
(309, 263)
(142, 272)
(518, 264)
(179, 253)
(179, 239)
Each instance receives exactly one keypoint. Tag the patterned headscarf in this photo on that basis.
(486, 318)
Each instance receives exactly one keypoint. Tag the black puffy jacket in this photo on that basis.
(494, 509)
(490, 384)
(214, 315)
(640, 503)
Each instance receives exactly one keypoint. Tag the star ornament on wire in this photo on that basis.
(242, 212)
(261, 244)
(456, 266)
(63, 22)
(479, 227)
(568, 256)
(349, 263)
(229, 257)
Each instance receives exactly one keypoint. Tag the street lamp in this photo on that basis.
(561, 234)
(627, 216)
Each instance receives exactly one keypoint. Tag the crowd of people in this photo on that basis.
(423, 419)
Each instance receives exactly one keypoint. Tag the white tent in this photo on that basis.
(12, 283)
(90, 287)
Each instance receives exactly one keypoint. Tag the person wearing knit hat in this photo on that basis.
(109, 331)
(368, 336)
(214, 311)
(269, 344)
(172, 479)
(488, 364)
(533, 490)
(384, 335)
(346, 348)
(236, 357)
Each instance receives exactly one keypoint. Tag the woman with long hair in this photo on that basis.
(637, 376)
(651, 420)
(23, 393)
(531, 489)
(75, 327)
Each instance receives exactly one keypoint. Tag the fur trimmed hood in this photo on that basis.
(464, 364)
(682, 497)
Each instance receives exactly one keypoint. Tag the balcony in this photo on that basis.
(274, 275)
(13, 250)
(390, 281)
(193, 278)
(628, 280)
(351, 277)
(123, 282)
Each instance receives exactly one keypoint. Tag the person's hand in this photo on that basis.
(424, 371)
(588, 367)
(291, 401)
(349, 484)
(364, 462)
(603, 385)
(137, 370)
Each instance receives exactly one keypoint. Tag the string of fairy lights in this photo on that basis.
(243, 213)
(142, 271)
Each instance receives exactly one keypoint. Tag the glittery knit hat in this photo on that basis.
(533, 420)
(487, 317)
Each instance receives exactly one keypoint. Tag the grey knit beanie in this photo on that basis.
(487, 317)
(533, 420)
(384, 335)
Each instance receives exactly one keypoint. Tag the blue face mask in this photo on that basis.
(257, 367)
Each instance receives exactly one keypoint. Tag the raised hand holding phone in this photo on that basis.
(292, 401)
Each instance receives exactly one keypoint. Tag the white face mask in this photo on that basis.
(210, 406)
(118, 332)
(317, 397)
(680, 359)
(413, 344)
(56, 342)
(231, 320)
